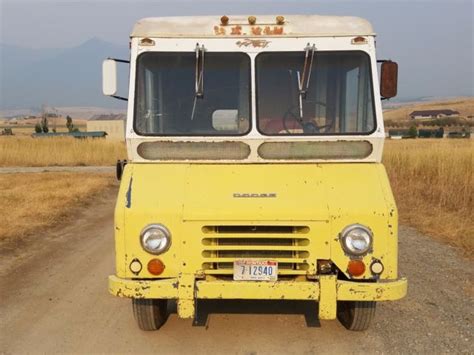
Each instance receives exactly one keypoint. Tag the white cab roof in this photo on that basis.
(238, 25)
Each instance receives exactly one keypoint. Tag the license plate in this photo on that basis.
(255, 270)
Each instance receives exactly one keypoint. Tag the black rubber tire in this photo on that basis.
(150, 314)
(356, 315)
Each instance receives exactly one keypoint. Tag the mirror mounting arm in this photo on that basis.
(119, 97)
(120, 60)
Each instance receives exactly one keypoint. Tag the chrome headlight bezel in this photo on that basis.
(145, 235)
(346, 239)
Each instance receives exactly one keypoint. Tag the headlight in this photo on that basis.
(155, 239)
(356, 239)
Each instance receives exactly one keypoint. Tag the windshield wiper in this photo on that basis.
(199, 76)
(303, 80)
(199, 79)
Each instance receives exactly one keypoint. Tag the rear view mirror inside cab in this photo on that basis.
(225, 120)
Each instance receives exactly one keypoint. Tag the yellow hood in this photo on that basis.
(257, 192)
(260, 192)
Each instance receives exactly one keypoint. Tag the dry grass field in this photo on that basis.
(433, 184)
(31, 202)
(59, 151)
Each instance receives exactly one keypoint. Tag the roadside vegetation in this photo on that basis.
(432, 180)
(32, 202)
(59, 151)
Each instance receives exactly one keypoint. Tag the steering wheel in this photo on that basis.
(308, 127)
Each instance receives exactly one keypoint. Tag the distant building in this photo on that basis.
(427, 114)
(113, 124)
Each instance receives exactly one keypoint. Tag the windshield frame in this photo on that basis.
(315, 135)
(250, 97)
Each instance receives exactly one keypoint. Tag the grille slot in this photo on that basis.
(288, 245)
(254, 229)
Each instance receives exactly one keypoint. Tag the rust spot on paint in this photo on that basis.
(219, 31)
(129, 194)
(236, 30)
(256, 31)
(255, 43)
(271, 31)
(355, 291)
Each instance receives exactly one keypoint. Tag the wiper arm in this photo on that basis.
(199, 81)
(199, 77)
(303, 80)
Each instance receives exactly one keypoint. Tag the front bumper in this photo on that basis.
(327, 291)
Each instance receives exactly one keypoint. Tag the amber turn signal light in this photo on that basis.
(356, 267)
(156, 267)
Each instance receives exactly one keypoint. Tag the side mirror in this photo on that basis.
(388, 79)
(109, 77)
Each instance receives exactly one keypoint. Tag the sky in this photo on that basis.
(432, 40)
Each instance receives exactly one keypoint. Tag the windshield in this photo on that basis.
(330, 94)
(191, 94)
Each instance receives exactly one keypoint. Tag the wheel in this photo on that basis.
(150, 314)
(356, 315)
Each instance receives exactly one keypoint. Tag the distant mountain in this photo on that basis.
(58, 77)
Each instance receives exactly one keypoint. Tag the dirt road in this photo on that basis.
(43, 169)
(54, 299)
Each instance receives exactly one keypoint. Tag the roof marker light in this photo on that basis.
(224, 20)
(359, 40)
(280, 20)
(147, 42)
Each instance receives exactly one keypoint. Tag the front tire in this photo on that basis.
(150, 314)
(356, 315)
